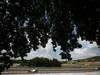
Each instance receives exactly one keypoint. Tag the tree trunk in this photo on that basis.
(22, 58)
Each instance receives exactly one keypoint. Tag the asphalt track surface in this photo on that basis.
(46, 71)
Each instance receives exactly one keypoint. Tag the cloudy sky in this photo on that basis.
(88, 50)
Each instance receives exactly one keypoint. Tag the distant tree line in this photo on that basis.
(40, 62)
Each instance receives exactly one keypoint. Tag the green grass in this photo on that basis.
(83, 67)
(93, 59)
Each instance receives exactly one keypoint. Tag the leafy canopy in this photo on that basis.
(26, 24)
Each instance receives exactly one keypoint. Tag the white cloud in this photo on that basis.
(84, 52)
(88, 50)
(45, 52)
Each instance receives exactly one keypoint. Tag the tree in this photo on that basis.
(5, 61)
(43, 62)
(88, 20)
(26, 24)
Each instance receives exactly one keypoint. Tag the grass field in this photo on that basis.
(81, 66)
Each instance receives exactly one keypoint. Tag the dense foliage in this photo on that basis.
(40, 62)
(26, 24)
(5, 62)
